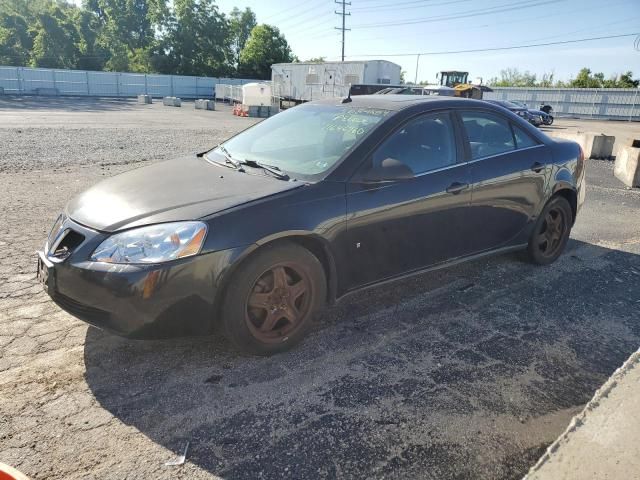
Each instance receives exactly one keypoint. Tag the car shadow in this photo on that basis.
(455, 372)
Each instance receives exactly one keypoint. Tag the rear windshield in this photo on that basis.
(305, 141)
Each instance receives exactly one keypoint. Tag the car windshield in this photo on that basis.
(305, 141)
(510, 105)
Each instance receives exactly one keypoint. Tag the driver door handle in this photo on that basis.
(537, 167)
(457, 187)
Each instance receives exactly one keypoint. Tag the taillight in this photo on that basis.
(580, 165)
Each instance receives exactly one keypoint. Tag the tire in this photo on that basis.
(551, 232)
(272, 298)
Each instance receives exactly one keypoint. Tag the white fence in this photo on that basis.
(45, 81)
(603, 103)
(229, 93)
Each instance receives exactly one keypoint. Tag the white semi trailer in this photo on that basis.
(305, 81)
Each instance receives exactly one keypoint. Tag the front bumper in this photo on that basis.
(176, 298)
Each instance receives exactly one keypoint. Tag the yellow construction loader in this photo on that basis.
(459, 82)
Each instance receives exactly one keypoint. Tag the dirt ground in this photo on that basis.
(463, 373)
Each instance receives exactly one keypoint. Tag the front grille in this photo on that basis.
(82, 311)
(64, 244)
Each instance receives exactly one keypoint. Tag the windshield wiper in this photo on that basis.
(228, 158)
(275, 171)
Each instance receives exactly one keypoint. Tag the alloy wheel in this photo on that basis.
(552, 231)
(278, 302)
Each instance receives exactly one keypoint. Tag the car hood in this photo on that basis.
(182, 189)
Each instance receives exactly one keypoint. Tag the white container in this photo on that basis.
(306, 81)
(256, 94)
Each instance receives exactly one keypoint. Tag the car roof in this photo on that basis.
(506, 103)
(400, 102)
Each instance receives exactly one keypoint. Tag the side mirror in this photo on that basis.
(390, 169)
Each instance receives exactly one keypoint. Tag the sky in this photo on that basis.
(309, 26)
(379, 29)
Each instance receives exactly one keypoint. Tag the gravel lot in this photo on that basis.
(468, 372)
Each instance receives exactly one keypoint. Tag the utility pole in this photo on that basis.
(344, 14)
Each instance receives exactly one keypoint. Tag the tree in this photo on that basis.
(56, 40)
(127, 29)
(92, 55)
(15, 41)
(265, 46)
(585, 79)
(240, 25)
(196, 41)
(627, 81)
(511, 77)
(316, 60)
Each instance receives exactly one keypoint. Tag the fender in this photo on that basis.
(307, 239)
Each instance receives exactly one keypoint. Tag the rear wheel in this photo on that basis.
(272, 299)
(551, 232)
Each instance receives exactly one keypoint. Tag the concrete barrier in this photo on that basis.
(262, 111)
(627, 166)
(172, 102)
(202, 104)
(144, 99)
(594, 145)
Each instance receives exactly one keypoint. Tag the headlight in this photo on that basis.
(56, 228)
(153, 244)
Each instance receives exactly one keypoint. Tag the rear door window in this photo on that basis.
(488, 134)
(523, 139)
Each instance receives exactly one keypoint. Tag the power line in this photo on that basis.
(344, 14)
(471, 13)
(546, 16)
(408, 5)
(301, 17)
(493, 49)
(288, 11)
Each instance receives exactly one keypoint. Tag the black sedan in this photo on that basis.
(258, 234)
(533, 118)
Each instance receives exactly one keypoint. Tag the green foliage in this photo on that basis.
(586, 79)
(187, 37)
(511, 77)
(15, 41)
(316, 60)
(265, 46)
(240, 25)
(197, 41)
(56, 39)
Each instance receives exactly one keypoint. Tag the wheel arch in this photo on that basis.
(316, 245)
(570, 194)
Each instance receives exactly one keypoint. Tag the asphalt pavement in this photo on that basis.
(468, 372)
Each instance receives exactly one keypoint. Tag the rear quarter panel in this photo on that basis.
(568, 168)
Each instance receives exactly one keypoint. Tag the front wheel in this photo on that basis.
(551, 232)
(548, 120)
(272, 299)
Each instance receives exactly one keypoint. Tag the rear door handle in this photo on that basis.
(537, 167)
(457, 187)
